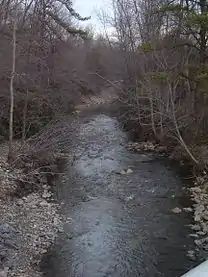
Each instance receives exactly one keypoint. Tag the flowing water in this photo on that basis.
(121, 224)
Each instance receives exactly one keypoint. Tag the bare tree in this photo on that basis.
(11, 113)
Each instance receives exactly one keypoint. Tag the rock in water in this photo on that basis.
(176, 210)
(191, 255)
(189, 209)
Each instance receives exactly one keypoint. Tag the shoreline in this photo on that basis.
(29, 224)
(197, 192)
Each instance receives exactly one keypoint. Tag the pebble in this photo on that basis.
(123, 172)
(128, 198)
(46, 194)
(193, 235)
(201, 233)
(205, 217)
(199, 208)
(191, 255)
(176, 210)
(128, 171)
(198, 242)
(197, 218)
(196, 189)
(189, 209)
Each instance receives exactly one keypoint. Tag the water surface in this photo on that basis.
(121, 225)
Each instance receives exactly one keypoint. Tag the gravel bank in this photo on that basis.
(29, 221)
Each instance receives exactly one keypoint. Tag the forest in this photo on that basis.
(158, 50)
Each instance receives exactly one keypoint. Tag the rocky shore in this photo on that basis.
(198, 192)
(29, 221)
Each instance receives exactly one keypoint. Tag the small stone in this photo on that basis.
(196, 189)
(204, 240)
(129, 171)
(204, 227)
(191, 255)
(176, 210)
(197, 218)
(128, 198)
(193, 235)
(123, 172)
(205, 217)
(46, 194)
(56, 221)
(200, 208)
(189, 209)
(198, 242)
(201, 233)
(60, 229)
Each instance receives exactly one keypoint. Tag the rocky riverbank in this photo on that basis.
(198, 192)
(29, 220)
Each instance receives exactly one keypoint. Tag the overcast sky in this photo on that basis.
(89, 8)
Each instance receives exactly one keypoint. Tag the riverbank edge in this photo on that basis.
(197, 192)
(29, 217)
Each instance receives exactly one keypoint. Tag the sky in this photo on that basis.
(89, 8)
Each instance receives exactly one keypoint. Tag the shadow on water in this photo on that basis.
(121, 224)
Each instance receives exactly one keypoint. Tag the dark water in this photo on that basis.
(121, 225)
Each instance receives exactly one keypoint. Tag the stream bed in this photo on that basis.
(120, 224)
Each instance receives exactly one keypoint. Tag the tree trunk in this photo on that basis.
(202, 33)
(24, 119)
(11, 112)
